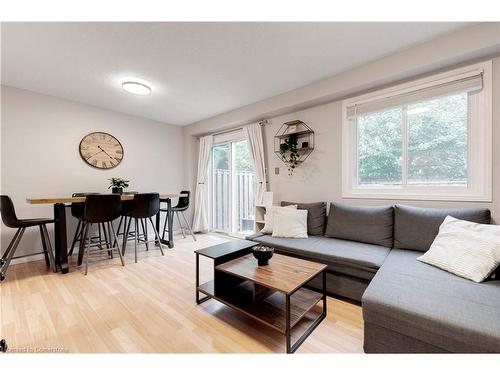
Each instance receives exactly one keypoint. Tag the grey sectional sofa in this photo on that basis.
(408, 306)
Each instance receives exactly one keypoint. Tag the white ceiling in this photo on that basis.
(197, 70)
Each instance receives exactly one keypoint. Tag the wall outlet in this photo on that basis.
(276, 171)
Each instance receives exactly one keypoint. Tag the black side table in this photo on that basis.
(221, 253)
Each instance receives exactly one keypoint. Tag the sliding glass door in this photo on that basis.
(243, 186)
(221, 188)
(232, 188)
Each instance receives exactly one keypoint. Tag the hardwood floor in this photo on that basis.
(147, 307)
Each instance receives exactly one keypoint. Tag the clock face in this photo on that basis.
(101, 150)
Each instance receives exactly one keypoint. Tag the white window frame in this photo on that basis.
(479, 168)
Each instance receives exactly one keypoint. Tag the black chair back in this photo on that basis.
(183, 203)
(145, 205)
(9, 217)
(102, 208)
(77, 209)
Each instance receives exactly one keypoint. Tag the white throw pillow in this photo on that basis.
(290, 224)
(466, 249)
(269, 217)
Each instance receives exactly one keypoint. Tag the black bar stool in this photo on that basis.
(100, 209)
(126, 220)
(10, 220)
(77, 210)
(181, 206)
(144, 206)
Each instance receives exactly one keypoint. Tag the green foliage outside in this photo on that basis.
(379, 147)
(437, 143)
(220, 157)
(241, 156)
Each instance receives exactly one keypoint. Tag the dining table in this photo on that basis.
(60, 235)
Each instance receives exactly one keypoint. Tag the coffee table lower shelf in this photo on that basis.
(271, 311)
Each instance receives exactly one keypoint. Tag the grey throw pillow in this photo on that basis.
(368, 224)
(316, 216)
(416, 227)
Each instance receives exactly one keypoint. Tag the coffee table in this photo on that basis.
(275, 295)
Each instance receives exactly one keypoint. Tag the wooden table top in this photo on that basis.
(125, 197)
(283, 273)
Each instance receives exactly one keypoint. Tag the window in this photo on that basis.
(428, 139)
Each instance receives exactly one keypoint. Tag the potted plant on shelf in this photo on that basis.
(289, 154)
(117, 185)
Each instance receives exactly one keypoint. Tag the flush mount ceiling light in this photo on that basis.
(137, 88)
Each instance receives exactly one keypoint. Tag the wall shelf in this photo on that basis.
(298, 134)
(293, 136)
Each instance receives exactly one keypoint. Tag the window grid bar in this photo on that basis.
(356, 142)
(404, 145)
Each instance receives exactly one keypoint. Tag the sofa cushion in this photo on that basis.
(466, 249)
(316, 216)
(415, 228)
(290, 223)
(433, 306)
(368, 224)
(271, 212)
(345, 257)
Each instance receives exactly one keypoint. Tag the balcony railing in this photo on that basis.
(244, 200)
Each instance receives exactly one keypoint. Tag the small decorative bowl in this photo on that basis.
(262, 254)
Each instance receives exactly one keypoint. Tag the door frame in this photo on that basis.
(226, 139)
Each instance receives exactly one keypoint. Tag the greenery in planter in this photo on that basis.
(289, 154)
(118, 183)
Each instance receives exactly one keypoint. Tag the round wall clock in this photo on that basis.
(101, 150)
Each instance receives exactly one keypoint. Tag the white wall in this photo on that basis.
(40, 136)
(319, 178)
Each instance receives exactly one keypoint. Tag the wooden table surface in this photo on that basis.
(125, 197)
(283, 273)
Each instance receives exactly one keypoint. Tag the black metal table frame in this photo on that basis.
(61, 241)
(290, 348)
(198, 299)
(170, 221)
